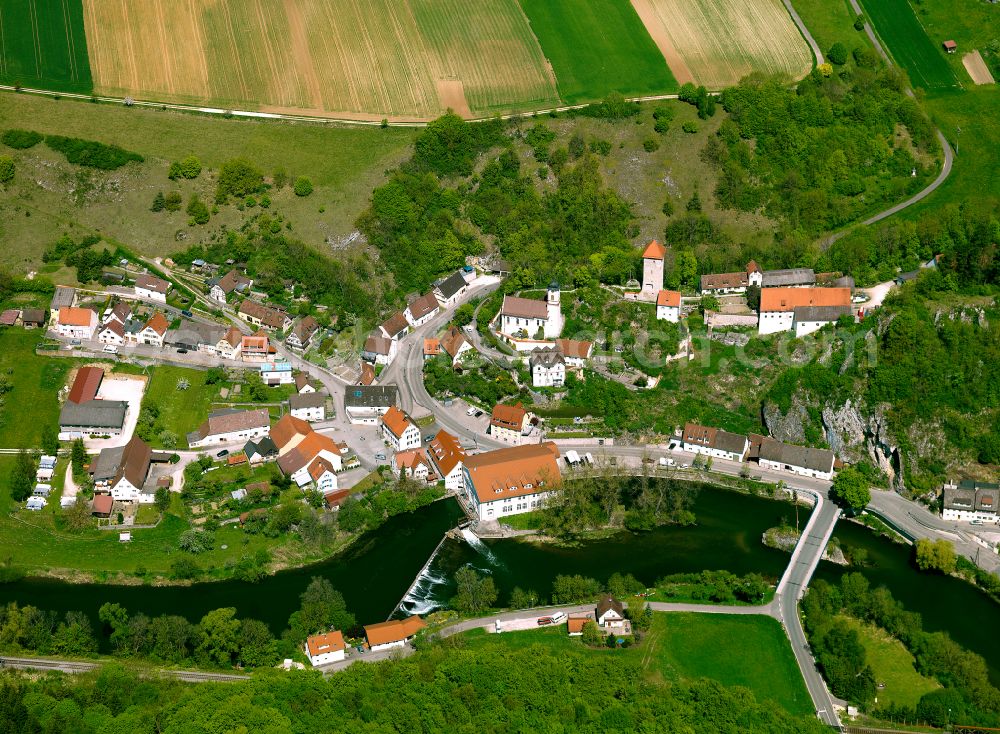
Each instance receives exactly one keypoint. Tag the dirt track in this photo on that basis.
(974, 64)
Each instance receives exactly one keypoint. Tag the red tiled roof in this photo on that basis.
(103, 504)
(75, 316)
(788, 299)
(158, 323)
(514, 472)
(669, 298)
(446, 452)
(85, 386)
(396, 421)
(574, 348)
(508, 416)
(327, 643)
(287, 428)
(394, 631)
(654, 251)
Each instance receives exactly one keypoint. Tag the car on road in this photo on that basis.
(428, 438)
(380, 456)
(543, 621)
(182, 350)
(76, 342)
(222, 454)
(479, 414)
(667, 461)
(187, 313)
(558, 617)
(110, 349)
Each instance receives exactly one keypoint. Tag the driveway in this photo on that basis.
(120, 387)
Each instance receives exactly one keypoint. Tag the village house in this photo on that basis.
(10, 317)
(432, 348)
(723, 283)
(548, 368)
(395, 327)
(120, 312)
(455, 345)
(309, 407)
(121, 471)
(803, 310)
(102, 505)
(802, 460)
(263, 316)
(64, 297)
(195, 336)
(652, 270)
(302, 384)
(395, 633)
(970, 501)
(611, 616)
(76, 323)
(231, 282)
(325, 648)
(510, 423)
(255, 348)
(224, 426)
(260, 450)
(714, 442)
(527, 318)
(151, 288)
(511, 481)
(399, 430)
(302, 333)
(448, 456)
(367, 375)
(231, 344)
(414, 463)
(380, 350)
(668, 306)
(276, 373)
(365, 404)
(113, 333)
(450, 290)
(154, 331)
(32, 318)
(576, 353)
(322, 475)
(305, 456)
(421, 310)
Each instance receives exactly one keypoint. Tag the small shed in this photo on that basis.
(125, 537)
(950, 46)
(102, 505)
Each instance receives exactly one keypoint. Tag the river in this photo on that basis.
(376, 571)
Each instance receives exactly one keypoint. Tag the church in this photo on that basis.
(532, 318)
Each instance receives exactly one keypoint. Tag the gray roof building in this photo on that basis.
(93, 414)
(789, 277)
(192, 334)
(371, 396)
(451, 285)
(820, 460)
(547, 358)
(63, 297)
(971, 496)
(820, 313)
(300, 401)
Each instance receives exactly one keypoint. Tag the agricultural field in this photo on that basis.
(43, 44)
(909, 44)
(831, 22)
(598, 47)
(362, 59)
(719, 42)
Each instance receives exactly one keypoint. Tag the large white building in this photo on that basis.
(326, 648)
(548, 368)
(448, 457)
(151, 288)
(310, 406)
(801, 460)
(714, 442)
(276, 373)
(399, 431)
(225, 426)
(121, 471)
(365, 404)
(971, 501)
(76, 323)
(305, 456)
(511, 481)
(802, 310)
(528, 318)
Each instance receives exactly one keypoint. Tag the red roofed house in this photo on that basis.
(422, 310)
(511, 481)
(102, 505)
(255, 348)
(668, 306)
(230, 344)
(950, 46)
(576, 353)
(325, 648)
(154, 331)
(399, 430)
(448, 456)
(652, 269)
(305, 456)
(415, 463)
(432, 348)
(395, 633)
(509, 423)
(76, 323)
(803, 310)
(112, 333)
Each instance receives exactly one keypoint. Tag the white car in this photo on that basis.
(110, 349)
(471, 411)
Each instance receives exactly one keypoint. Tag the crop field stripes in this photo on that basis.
(909, 44)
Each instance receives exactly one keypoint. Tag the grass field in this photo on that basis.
(363, 58)
(908, 43)
(721, 41)
(749, 651)
(180, 411)
(598, 47)
(43, 44)
(830, 22)
(35, 381)
(893, 667)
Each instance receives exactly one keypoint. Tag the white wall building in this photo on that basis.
(531, 318)
(422, 310)
(511, 481)
(448, 457)
(548, 368)
(971, 501)
(399, 431)
(276, 373)
(813, 308)
(668, 306)
(800, 460)
(326, 648)
(714, 442)
(76, 323)
(150, 288)
(225, 426)
(309, 407)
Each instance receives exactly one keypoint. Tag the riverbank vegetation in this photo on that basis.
(449, 687)
(966, 694)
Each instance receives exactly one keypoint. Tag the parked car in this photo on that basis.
(110, 349)
(222, 454)
(471, 410)
(479, 414)
(542, 621)
(380, 456)
(76, 342)
(182, 350)
(428, 438)
(558, 617)
(666, 461)
(187, 313)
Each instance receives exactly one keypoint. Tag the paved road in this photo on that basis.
(949, 155)
(804, 31)
(72, 666)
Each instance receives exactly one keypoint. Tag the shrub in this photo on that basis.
(837, 54)
(650, 145)
(197, 210)
(6, 169)
(613, 107)
(690, 126)
(303, 186)
(859, 22)
(159, 202)
(20, 139)
(172, 201)
(601, 147)
(190, 167)
(239, 178)
(91, 153)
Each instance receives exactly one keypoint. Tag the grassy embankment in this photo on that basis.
(742, 650)
(49, 197)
